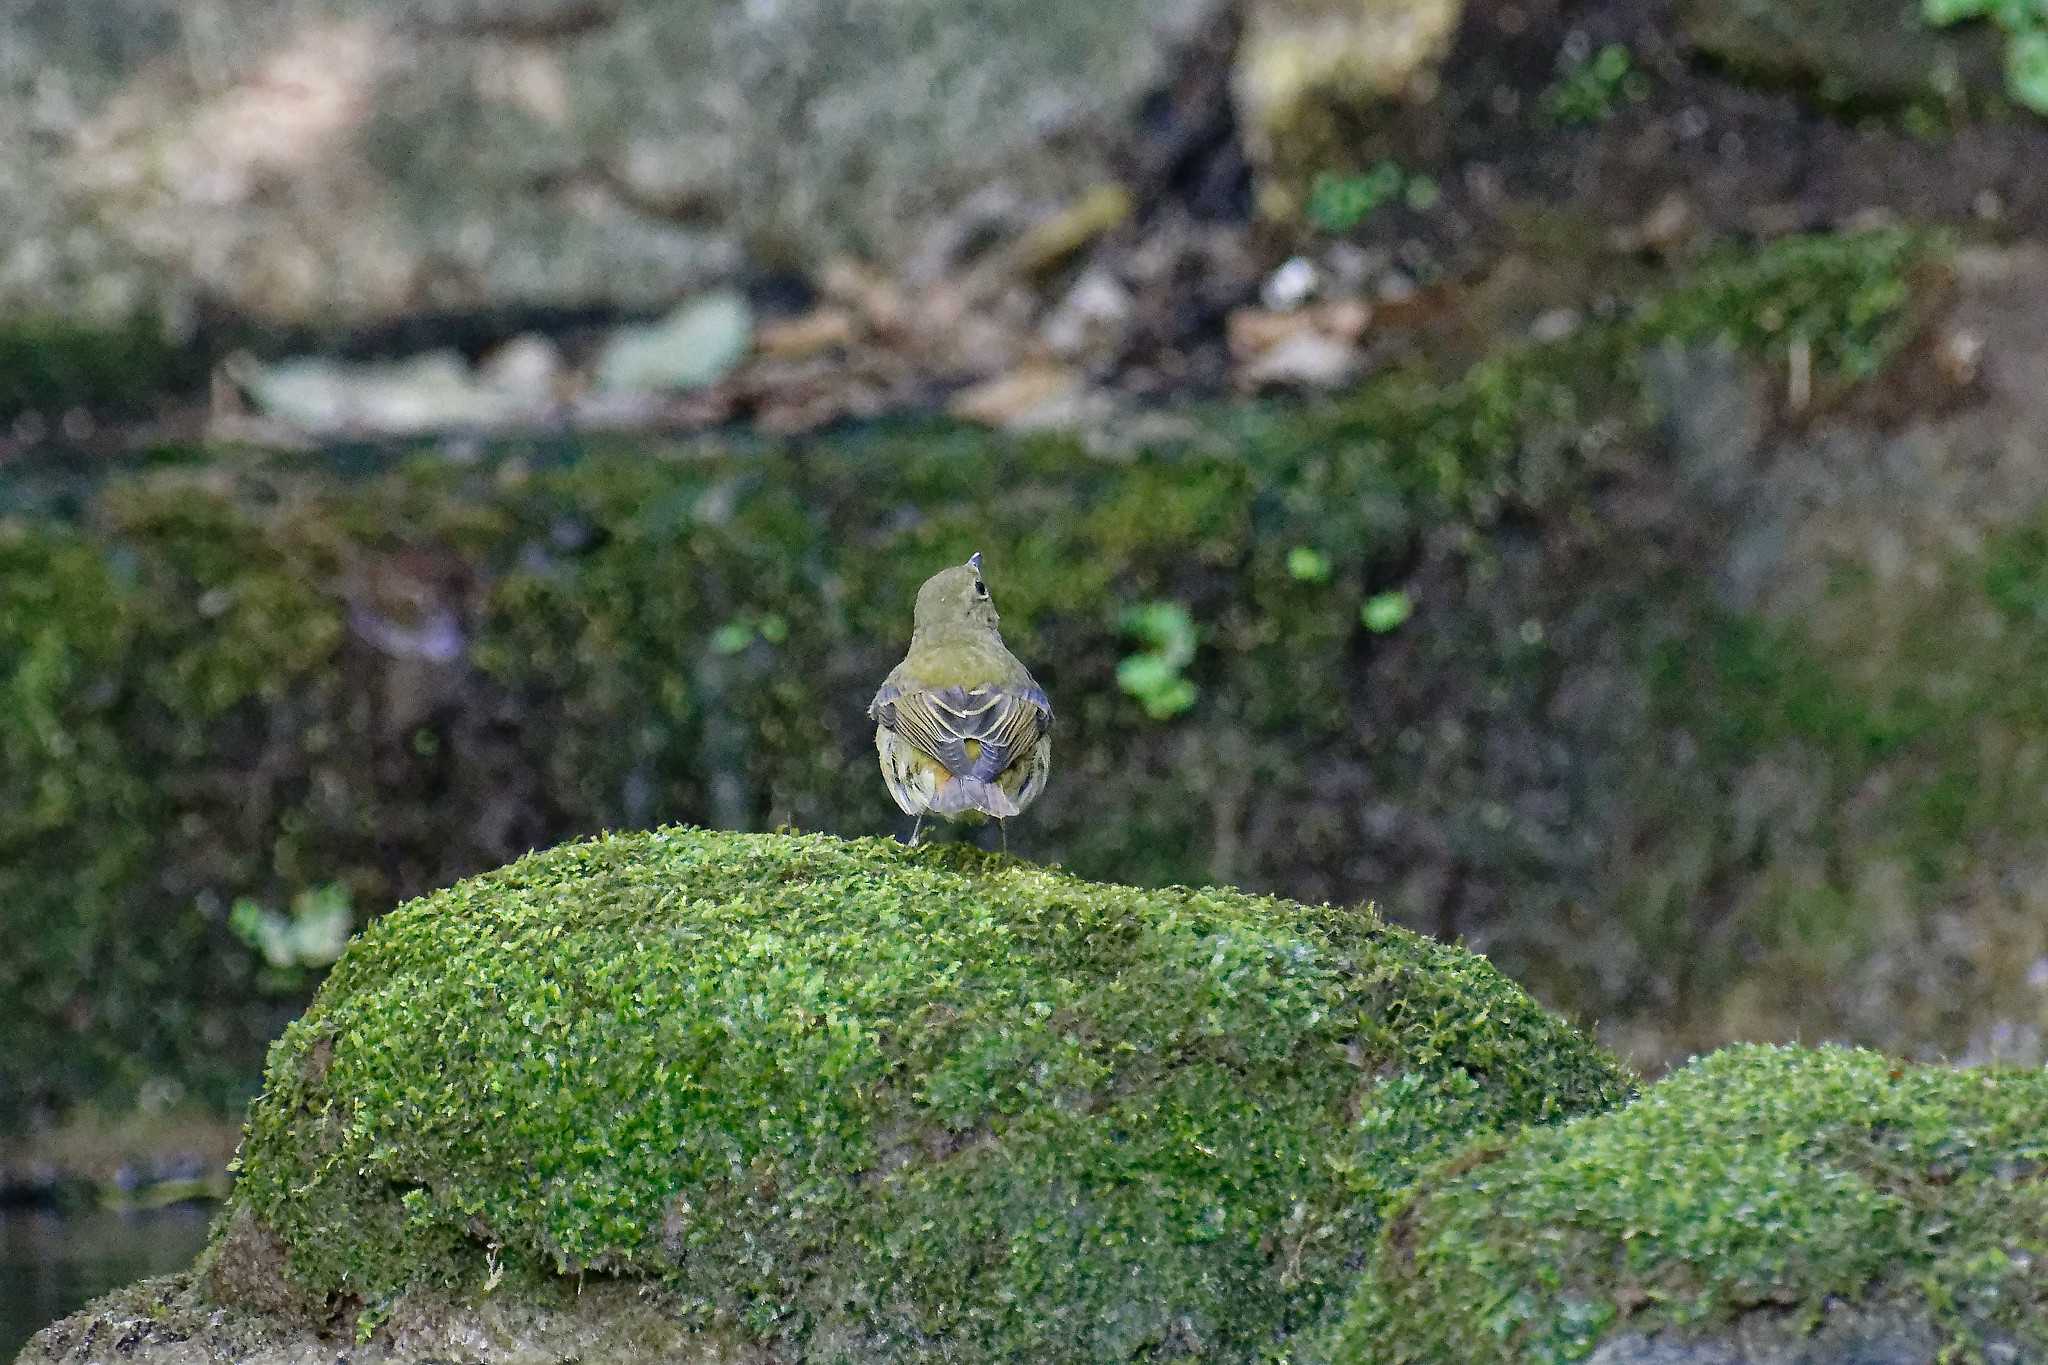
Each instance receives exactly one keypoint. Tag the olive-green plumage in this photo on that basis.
(962, 729)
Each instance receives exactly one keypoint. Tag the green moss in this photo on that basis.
(885, 1095)
(1899, 733)
(122, 675)
(1752, 685)
(1770, 1178)
(52, 364)
(214, 706)
(1844, 297)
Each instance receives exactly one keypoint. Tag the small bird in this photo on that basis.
(962, 729)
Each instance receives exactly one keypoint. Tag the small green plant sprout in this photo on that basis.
(736, 634)
(1339, 201)
(2026, 40)
(1421, 194)
(1386, 611)
(1591, 89)
(1306, 564)
(312, 935)
(1153, 675)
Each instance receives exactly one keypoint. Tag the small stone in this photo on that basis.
(1345, 319)
(1351, 266)
(1292, 285)
(1395, 287)
(872, 297)
(1092, 319)
(1662, 228)
(1253, 331)
(1555, 325)
(695, 346)
(1308, 359)
(798, 338)
(1022, 398)
(1960, 356)
(977, 343)
(529, 365)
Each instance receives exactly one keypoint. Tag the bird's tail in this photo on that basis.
(963, 794)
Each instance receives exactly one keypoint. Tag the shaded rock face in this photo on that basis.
(803, 1098)
(346, 162)
(1892, 542)
(1854, 53)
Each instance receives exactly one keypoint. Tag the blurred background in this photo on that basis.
(1574, 475)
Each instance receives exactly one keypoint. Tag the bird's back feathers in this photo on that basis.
(974, 732)
(961, 725)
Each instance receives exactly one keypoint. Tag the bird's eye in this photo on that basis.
(980, 588)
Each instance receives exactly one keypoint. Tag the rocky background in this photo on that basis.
(1570, 473)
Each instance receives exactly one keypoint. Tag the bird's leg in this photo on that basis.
(915, 826)
(1003, 828)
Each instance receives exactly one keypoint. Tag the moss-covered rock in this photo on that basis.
(1763, 1205)
(1853, 54)
(52, 364)
(875, 1102)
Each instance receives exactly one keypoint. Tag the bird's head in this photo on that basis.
(956, 599)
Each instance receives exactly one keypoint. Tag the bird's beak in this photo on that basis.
(974, 561)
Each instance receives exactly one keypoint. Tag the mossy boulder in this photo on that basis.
(1853, 54)
(856, 1101)
(1760, 1207)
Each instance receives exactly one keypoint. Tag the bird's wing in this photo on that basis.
(975, 731)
